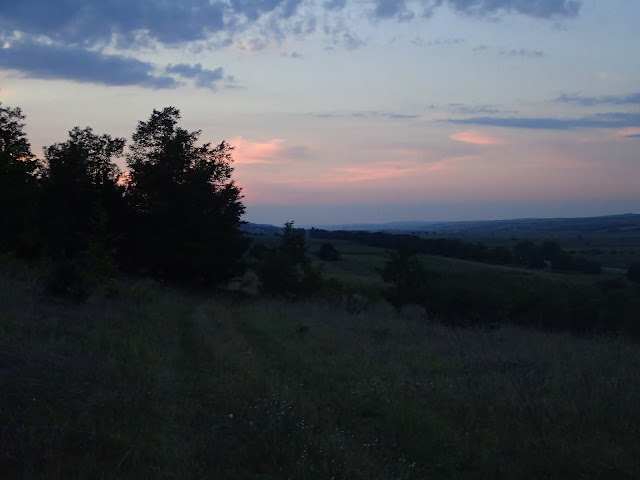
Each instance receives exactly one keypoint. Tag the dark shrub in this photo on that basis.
(328, 252)
(633, 273)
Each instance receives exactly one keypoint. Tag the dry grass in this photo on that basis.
(160, 384)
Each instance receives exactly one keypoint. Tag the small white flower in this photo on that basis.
(231, 415)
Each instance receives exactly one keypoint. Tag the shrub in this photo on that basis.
(633, 273)
(405, 278)
(328, 252)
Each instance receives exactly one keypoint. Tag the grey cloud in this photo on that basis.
(473, 109)
(438, 42)
(71, 63)
(133, 23)
(601, 120)
(522, 52)
(334, 4)
(294, 55)
(510, 52)
(90, 23)
(385, 9)
(204, 78)
(481, 48)
(633, 136)
(351, 42)
(630, 99)
(401, 116)
(83, 27)
(545, 9)
(371, 114)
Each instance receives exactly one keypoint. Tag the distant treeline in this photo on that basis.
(523, 253)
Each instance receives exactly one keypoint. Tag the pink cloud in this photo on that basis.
(371, 172)
(273, 151)
(249, 152)
(628, 132)
(475, 138)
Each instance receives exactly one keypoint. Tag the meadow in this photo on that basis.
(153, 381)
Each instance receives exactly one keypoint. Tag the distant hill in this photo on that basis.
(628, 222)
(625, 223)
(260, 228)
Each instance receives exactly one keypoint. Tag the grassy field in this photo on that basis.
(610, 250)
(159, 383)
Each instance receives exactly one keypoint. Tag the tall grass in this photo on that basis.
(164, 384)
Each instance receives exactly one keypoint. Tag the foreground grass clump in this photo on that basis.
(162, 384)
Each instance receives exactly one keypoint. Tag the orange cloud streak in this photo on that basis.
(475, 138)
(248, 152)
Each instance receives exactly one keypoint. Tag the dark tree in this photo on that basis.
(286, 270)
(81, 196)
(328, 252)
(18, 185)
(527, 253)
(186, 208)
(633, 273)
(405, 278)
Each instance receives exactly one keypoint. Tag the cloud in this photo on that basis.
(510, 52)
(351, 42)
(544, 9)
(475, 138)
(334, 4)
(370, 172)
(438, 42)
(204, 78)
(135, 23)
(386, 9)
(522, 52)
(601, 120)
(629, 99)
(635, 135)
(371, 114)
(473, 109)
(294, 55)
(37, 60)
(249, 152)
(86, 27)
(96, 22)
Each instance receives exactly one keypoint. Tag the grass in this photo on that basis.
(158, 383)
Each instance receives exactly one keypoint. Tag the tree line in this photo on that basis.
(174, 214)
(523, 253)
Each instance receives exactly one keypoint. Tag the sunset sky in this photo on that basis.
(355, 111)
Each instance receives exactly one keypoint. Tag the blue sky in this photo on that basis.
(356, 110)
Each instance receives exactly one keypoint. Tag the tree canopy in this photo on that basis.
(18, 187)
(185, 205)
(80, 184)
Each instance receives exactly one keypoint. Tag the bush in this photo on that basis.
(328, 252)
(633, 273)
(285, 270)
(405, 278)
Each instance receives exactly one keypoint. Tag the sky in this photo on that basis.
(355, 111)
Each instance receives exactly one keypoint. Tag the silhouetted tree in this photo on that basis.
(328, 252)
(405, 278)
(633, 273)
(18, 185)
(186, 207)
(81, 191)
(285, 269)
